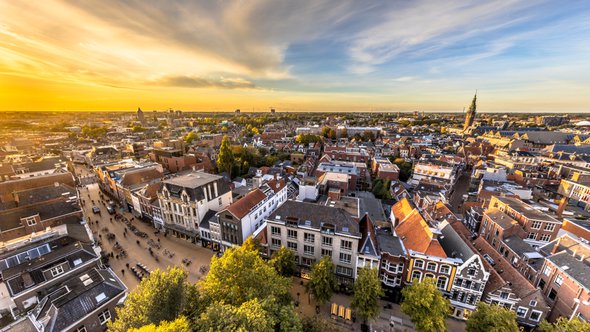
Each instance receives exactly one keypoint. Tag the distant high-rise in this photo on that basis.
(140, 116)
(470, 116)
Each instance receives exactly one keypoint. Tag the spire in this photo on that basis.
(470, 116)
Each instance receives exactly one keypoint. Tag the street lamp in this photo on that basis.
(577, 301)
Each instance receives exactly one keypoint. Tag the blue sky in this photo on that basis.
(304, 55)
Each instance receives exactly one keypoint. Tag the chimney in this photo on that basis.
(556, 246)
(561, 207)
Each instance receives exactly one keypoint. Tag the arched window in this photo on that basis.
(442, 282)
(417, 275)
(419, 264)
(431, 266)
(429, 275)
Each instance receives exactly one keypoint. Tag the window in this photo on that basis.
(81, 329)
(471, 272)
(536, 315)
(533, 303)
(326, 252)
(292, 234)
(308, 250)
(345, 258)
(276, 242)
(346, 271)
(292, 245)
(31, 221)
(547, 271)
(552, 294)
(55, 271)
(504, 295)
(417, 275)
(306, 261)
(536, 225)
(275, 230)
(542, 284)
(419, 264)
(431, 266)
(308, 237)
(346, 245)
(445, 269)
(549, 227)
(326, 241)
(545, 238)
(104, 317)
(531, 236)
(521, 312)
(559, 280)
(220, 200)
(442, 282)
(429, 275)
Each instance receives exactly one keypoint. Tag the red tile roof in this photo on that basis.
(241, 207)
(417, 236)
(276, 185)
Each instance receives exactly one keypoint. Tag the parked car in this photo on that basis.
(95, 209)
(110, 209)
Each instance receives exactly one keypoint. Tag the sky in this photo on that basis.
(316, 55)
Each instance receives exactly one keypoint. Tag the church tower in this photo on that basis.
(470, 116)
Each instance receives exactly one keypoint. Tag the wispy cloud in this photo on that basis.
(199, 82)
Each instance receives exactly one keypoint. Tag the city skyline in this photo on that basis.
(304, 56)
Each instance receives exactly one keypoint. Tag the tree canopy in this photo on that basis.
(492, 318)
(425, 305)
(322, 282)
(161, 297)
(307, 138)
(565, 325)
(283, 260)
(225, 158)
(367, 291)
(181, 324)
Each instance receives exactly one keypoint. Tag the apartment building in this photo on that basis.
(539, 227)
(185, 200)
(314, 231)
(245, 216)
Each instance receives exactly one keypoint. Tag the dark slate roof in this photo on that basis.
(373, 207)
(206, 218)
(36, 195)
(390, 243)
(193, 183)
(576, 269)
(314, 216)
(31, 273)
(75, 299)
(11, 219)
(518, 245)
(453, 244)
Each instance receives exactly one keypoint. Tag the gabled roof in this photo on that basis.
(139, 176)
(417, 236)
(276, 185)
(244, 205)
(368, 242)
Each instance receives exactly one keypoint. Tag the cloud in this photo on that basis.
(199, 82)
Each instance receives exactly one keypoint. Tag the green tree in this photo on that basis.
(249, 316)
(181, 324)
(138, 129)
(322, 282)
(425, 305)
(367, 290)
(283, 260)
(225, 158)
(241, 281)
(492, 318)
(317, 324)
(161, 297)
(565, 325)
(190, 137)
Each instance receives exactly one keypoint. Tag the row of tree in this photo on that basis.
(428, 309)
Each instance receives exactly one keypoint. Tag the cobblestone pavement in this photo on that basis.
(136, 247)
(307, 308)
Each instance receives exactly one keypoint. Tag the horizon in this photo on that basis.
(310, 56)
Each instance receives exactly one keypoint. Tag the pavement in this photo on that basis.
(139, 252)
(382, 324)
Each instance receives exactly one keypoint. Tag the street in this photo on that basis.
(136, 247)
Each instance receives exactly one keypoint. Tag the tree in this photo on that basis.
(425, 305)
(326, 131)
(565, 325)
(367, 290)
(322, 282)
(283, 260)
(317, 324)
(241, 282)
(249, 316)
(181, 324)
(190, 137)
(161, 297)
(492, 318)
(344, 133)
(225, 158)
